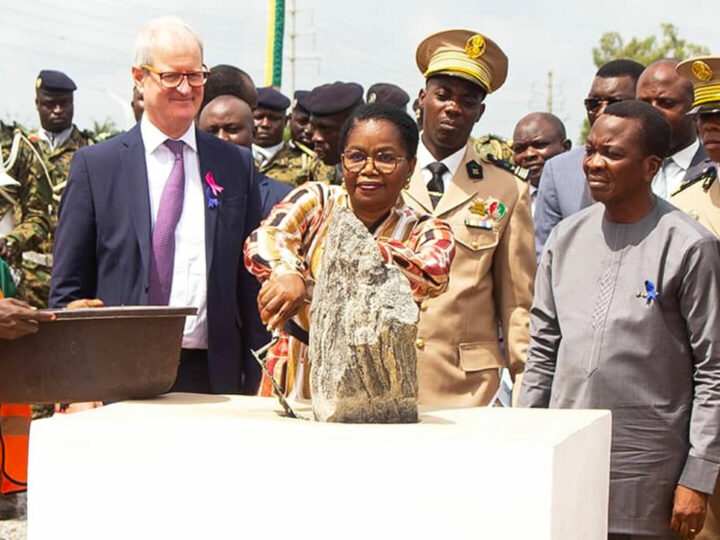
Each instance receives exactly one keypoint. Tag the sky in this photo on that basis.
(366, 42)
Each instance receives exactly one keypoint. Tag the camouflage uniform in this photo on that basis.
(30, 208)
(37, 261)
(27, 202)
(327, 174)
(291, 165)
(494, 145)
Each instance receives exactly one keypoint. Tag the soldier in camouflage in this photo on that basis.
(288, 162)
(330, 105)
(57, 140)
(24, 195)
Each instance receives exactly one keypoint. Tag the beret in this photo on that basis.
(269, 98)
(387, 93)
(54, 81)
(300, 100)
(333, 98)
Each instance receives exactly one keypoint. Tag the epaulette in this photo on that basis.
(521, 172)
(304, 149)
(708, 176)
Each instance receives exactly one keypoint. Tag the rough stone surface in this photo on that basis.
(362, 332)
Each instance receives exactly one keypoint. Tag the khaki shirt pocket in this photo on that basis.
(479, 356)
(474, 234)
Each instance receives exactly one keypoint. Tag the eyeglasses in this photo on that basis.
(383, 163)
(173, 79)
(593, 104)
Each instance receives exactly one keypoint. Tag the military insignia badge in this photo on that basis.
(474, 170)
(372, 98)
(475, 46)
(479, 224)
(38, 82)
(488, 209)
(702, 71)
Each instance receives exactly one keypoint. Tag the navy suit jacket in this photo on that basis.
(271, 193)
(103, 244)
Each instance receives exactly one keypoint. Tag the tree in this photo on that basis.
(646, 51)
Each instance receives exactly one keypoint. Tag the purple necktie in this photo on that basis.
(163, 240)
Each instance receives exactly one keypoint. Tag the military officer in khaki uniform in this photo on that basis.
(488, 208)
(700, 196)
(57, 140)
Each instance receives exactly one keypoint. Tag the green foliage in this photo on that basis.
(670, 45)
(646, 51)
(106, 127)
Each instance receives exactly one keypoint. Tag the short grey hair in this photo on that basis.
(158, 29)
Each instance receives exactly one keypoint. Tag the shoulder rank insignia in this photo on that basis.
(474, 170)
(488, 208)
(708, 176)
(521, 172)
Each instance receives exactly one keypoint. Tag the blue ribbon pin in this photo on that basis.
(650, 292)
(212, 200)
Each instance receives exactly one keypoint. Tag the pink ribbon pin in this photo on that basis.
(210, 179)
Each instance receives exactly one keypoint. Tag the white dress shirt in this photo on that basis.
(189, 280)
(55, 140)
(673, 170)
(452, 162)
(533, 197)
(263, 155)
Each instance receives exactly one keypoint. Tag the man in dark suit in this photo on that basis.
(158, 216)
(231, 119)
(661, 86)
(563, 188)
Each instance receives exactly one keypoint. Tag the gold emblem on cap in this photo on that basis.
(475, 46)
(702, 71)
(372, 98)
(38, 82)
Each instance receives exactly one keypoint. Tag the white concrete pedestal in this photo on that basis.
(214, 467)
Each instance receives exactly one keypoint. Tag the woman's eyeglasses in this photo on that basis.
(383, 163)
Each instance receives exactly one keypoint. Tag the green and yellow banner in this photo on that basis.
(274, 53)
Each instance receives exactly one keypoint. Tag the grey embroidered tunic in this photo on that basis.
(625, 317)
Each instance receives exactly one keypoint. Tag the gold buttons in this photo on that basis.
(420, 343)
(475, 245)
(424, 306)
(694, 214)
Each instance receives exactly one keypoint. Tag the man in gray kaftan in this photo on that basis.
(626, 317)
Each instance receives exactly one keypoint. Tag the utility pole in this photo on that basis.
(292, 34)
(549, 103)
(292, 57)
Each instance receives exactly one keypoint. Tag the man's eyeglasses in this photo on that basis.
(593, 104)
(383, 163)
(173, 79)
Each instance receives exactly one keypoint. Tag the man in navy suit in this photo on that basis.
(230, 118)
(158, 216)
(563, 188)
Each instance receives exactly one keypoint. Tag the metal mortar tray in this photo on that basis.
(98, 354)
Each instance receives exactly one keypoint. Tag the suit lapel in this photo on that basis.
(711, 206)
(699, 157)
(418, 191)
(134, 174)
(210, 213)
(461, 188)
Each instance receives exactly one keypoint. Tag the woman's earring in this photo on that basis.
(407, 183)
